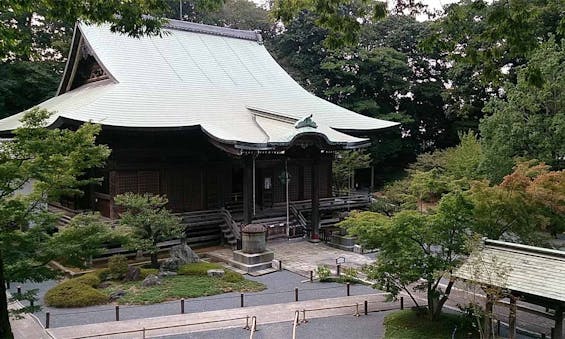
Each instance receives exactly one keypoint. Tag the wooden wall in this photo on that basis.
(194, 174)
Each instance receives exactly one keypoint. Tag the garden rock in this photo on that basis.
(151, 280)
(133, 274)
(104, 284)
(167, 274)
(215, 273)
(117, 295)
(179, 255)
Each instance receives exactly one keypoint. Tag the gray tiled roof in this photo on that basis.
(219, 79)
(533, 270)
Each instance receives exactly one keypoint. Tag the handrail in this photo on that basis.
(299, 217)
(296, 320)
(144, 329)
(253, 326)
(230, 222)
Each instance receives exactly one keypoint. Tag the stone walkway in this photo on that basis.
(301, 257)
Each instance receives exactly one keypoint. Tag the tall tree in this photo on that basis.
(417, 250)
(51, 160)
(529, 121)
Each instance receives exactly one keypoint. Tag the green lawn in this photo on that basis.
(408, 324)
(181, 286)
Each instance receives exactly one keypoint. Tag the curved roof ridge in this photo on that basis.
(213, 30)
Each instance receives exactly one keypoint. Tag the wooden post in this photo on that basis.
(182, 306)
(487, 326)
(47, 319)
(247, 189)
(512, 318)
(338, 270)
(558, 332)
(117, 313)
(366, 307)
(315, 218)
(401, 303)
(241, 301)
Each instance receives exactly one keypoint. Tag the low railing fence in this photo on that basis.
(358, 309)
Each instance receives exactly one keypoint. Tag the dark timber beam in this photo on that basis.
(558, 332)
(247, 189)
(315, 220)
(512, 318)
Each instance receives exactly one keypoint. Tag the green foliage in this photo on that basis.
(90, 279)
(238, 14)
(349, 275)
(144, 272)
(50, 162)
(409, 324)
(198, 268)
(81, 240)
(103, 274)
(74, 293)
(232, 277)
(181, 286)
(24, 84)
(147, 222)
(323, 272)
(339, 17)
(416, 247)
(135, 18)
(374, 78)
(117, 266)
(368, 226)
(530, 121)
(343, 168)
(463, 161)
(529, 199)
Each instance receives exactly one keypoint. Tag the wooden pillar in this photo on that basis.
(512, 318)
(315, 172)
(489, 307)
(247, 189)
(558, 332)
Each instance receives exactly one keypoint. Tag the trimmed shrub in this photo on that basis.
(198, 268)
(90, 279)
(103, 274)
(118, 266)
(73, 293)
(323, 272)
(232, 277)
(144, 272)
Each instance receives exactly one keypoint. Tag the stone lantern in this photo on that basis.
(253, 256)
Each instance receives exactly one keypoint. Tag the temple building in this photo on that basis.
(206, 116)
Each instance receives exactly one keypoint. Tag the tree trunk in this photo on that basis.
(5, 328)
(154, 261)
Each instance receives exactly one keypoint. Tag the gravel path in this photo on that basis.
(280, 289)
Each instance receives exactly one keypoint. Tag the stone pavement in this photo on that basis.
(301, 257)
(28, 326)
(223, 319)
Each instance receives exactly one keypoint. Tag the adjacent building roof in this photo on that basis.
(222, 80)
(529, 270)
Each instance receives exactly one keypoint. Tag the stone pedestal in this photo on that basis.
(252, 262)
(254, 256)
